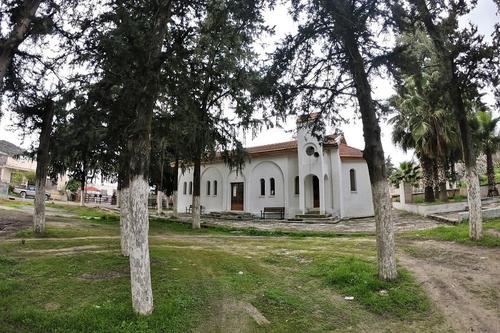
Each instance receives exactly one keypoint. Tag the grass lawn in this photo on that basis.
(210, 280)
(460, 234)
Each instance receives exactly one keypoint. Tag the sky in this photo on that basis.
(484, 16)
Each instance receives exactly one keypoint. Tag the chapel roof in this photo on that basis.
(289, 146)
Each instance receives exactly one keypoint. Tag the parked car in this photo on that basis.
(29, 191)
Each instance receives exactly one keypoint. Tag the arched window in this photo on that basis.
(296, 185)
(262, 187)
(215, 187)
(208, 187)
(272, 186)
(184, 189)
(352, 177)
(190, 188)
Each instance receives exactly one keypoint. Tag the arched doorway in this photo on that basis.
(315, 186)
(312, 195)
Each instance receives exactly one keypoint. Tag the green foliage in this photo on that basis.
(356, 277)
(21, 177)
(484, 127)
(408, 173)
(31, 177)
(17, 178)
(73, 185)
(423, 120)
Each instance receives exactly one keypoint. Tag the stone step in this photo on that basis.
(312, 216)
(443, 219)
(320, 220)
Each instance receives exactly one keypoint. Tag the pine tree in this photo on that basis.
(322, 68)
(214, 69)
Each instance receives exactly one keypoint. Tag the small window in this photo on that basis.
(272, 186)
(190, 188)
(352, 177)
(208, 187)
(310, 150)
(184, 190)
(296, 185)
(262, 187)
(215, 187)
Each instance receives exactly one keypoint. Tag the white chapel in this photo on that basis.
(302, 176)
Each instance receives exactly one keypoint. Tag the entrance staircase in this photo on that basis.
(313, 216)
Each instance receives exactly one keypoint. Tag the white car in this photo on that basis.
(29, 191)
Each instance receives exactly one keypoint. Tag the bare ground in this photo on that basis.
(13, 220)
(463, 281)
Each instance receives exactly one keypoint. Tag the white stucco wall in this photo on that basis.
(265, 169)
(214, 201)
(356, 203)
(333, 173)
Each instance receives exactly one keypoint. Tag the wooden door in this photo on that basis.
(315, 192)
(237, 196)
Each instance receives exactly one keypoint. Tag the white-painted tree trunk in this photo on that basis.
(39, 213)
(159, 202)
(474, 200)
(82, 198)
(174, 204)
(140, 273)
(124, 221)
(386, 254)
(196, 212)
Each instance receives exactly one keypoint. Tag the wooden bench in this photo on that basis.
(190, 209)
(273, 211)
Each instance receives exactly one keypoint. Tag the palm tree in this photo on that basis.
(488, 141)
(408, 173)
(424, 123)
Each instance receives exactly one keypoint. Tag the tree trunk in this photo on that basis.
(19, 32)
(435, 179)
(448, 68)
(474, 200)
(490, 171)
(147, 77)
(140, 271)
(443, 191)
(159, 202)
(373, 152)
(83, 183)
(42, 162)
(175, 185)
(124, 201)
(125, 220)
(427, 179)
(196, 194)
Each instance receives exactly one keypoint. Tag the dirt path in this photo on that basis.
(12, 220)
(462, 281)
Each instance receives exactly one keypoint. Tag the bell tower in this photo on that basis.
(310, 163)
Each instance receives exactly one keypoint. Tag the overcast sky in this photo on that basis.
(484, 16)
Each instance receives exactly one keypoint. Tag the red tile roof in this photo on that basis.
(308, 117)
(288, 146)
(273, 147)
(349, 152)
